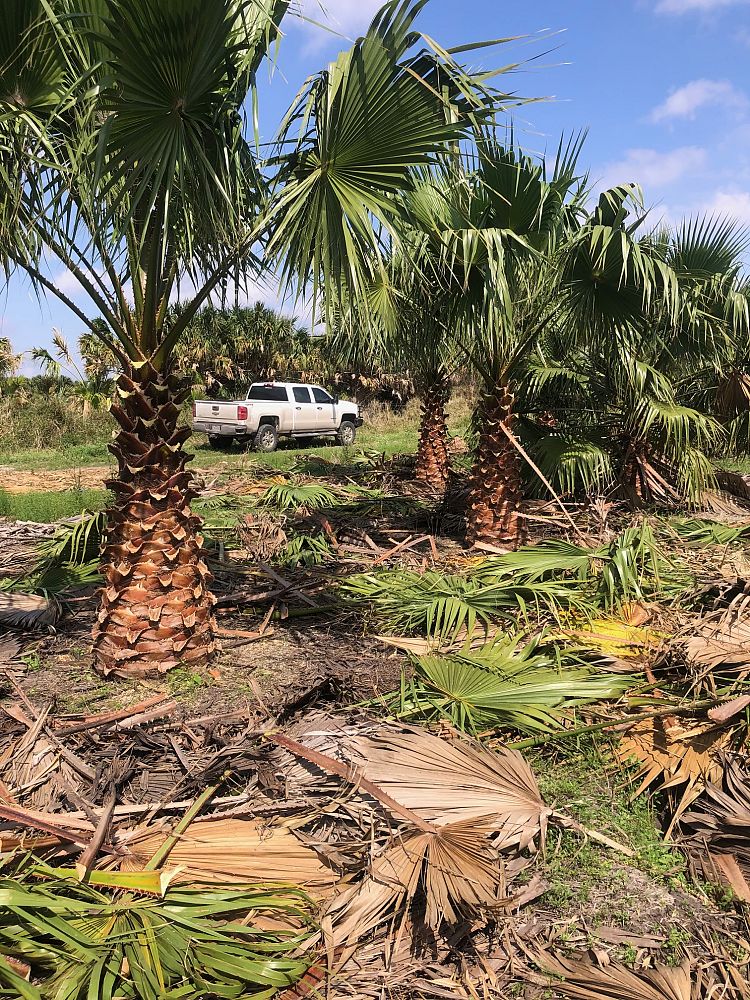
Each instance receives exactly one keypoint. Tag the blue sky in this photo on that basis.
(663, 87)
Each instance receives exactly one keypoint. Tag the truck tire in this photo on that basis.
(347, 433)
(267, 438)
(219, 442)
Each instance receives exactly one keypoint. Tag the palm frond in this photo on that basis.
(501, 685)
(438, 605)
(83, 940)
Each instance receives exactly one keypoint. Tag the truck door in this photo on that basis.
(303, 409)
(325, 410)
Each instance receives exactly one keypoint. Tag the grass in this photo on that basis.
(51, 505)
(83, 443)
(586, 785)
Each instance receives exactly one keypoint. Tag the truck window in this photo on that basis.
(301, 394)
(321, 396)
(270, 393)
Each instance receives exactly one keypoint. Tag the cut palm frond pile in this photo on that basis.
(527, 688)
(720, 825)
(632, 567)
(67, 559)
(442, 605)
(538, 582)
(103, 942)
(676, 757)
(697, 533)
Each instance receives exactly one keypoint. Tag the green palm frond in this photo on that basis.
(442, 606)
(706, 245)
(501, 684)
(631, 567)
(377, 113)
(83, 941)
(696, 532)
(574, 464)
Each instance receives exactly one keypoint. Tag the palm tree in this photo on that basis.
(634, 412)
(93, 390)
(547, 267)
(500, 226)
(8, 360)
(124, 156)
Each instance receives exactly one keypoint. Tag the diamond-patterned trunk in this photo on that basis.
(156, 608)
(496, 491)
(433, 462)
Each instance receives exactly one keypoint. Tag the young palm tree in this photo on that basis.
(634, 412)
(124, 156)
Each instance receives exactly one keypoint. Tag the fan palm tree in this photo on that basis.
(499, 223)
(635, 412)
(124, 156)
(546, 266)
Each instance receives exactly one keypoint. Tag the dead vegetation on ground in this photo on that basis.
(413, 771)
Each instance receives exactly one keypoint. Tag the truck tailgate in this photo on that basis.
(207, 409)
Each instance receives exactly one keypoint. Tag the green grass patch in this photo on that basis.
(69, 456)
(48, 506)
(81, 456)
(589, 787)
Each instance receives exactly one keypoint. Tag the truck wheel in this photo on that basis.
(267, 438)
(219, 442)
(347, 433)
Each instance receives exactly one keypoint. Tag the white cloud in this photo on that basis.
(347, 17)
(650, 168)
(692, 6)
(735, 204)
(685, 101)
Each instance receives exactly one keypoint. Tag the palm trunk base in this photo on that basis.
(156, 609)
(433, 460)
(493, 514)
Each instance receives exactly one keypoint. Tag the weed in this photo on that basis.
(185, 682)
(33, 661)
(673, 946)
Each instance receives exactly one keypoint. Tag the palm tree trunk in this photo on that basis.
(156, 608)
(433, 462)
(496, 491)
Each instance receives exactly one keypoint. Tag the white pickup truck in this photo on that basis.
(277, 409)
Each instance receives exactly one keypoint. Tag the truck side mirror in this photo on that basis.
(335, 399)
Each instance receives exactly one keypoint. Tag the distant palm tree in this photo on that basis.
(124, 155)
(9, 361)
(93, 391)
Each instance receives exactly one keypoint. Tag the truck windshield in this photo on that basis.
(276, 393)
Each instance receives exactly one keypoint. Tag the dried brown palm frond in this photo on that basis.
(462, 803)
(452, 782)
(231, 850)
(721, 824)
(452, 872)
(28, 611)
(582, 980)
(720, 641)
(674, 758)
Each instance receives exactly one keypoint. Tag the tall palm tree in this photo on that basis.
(124, 156)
